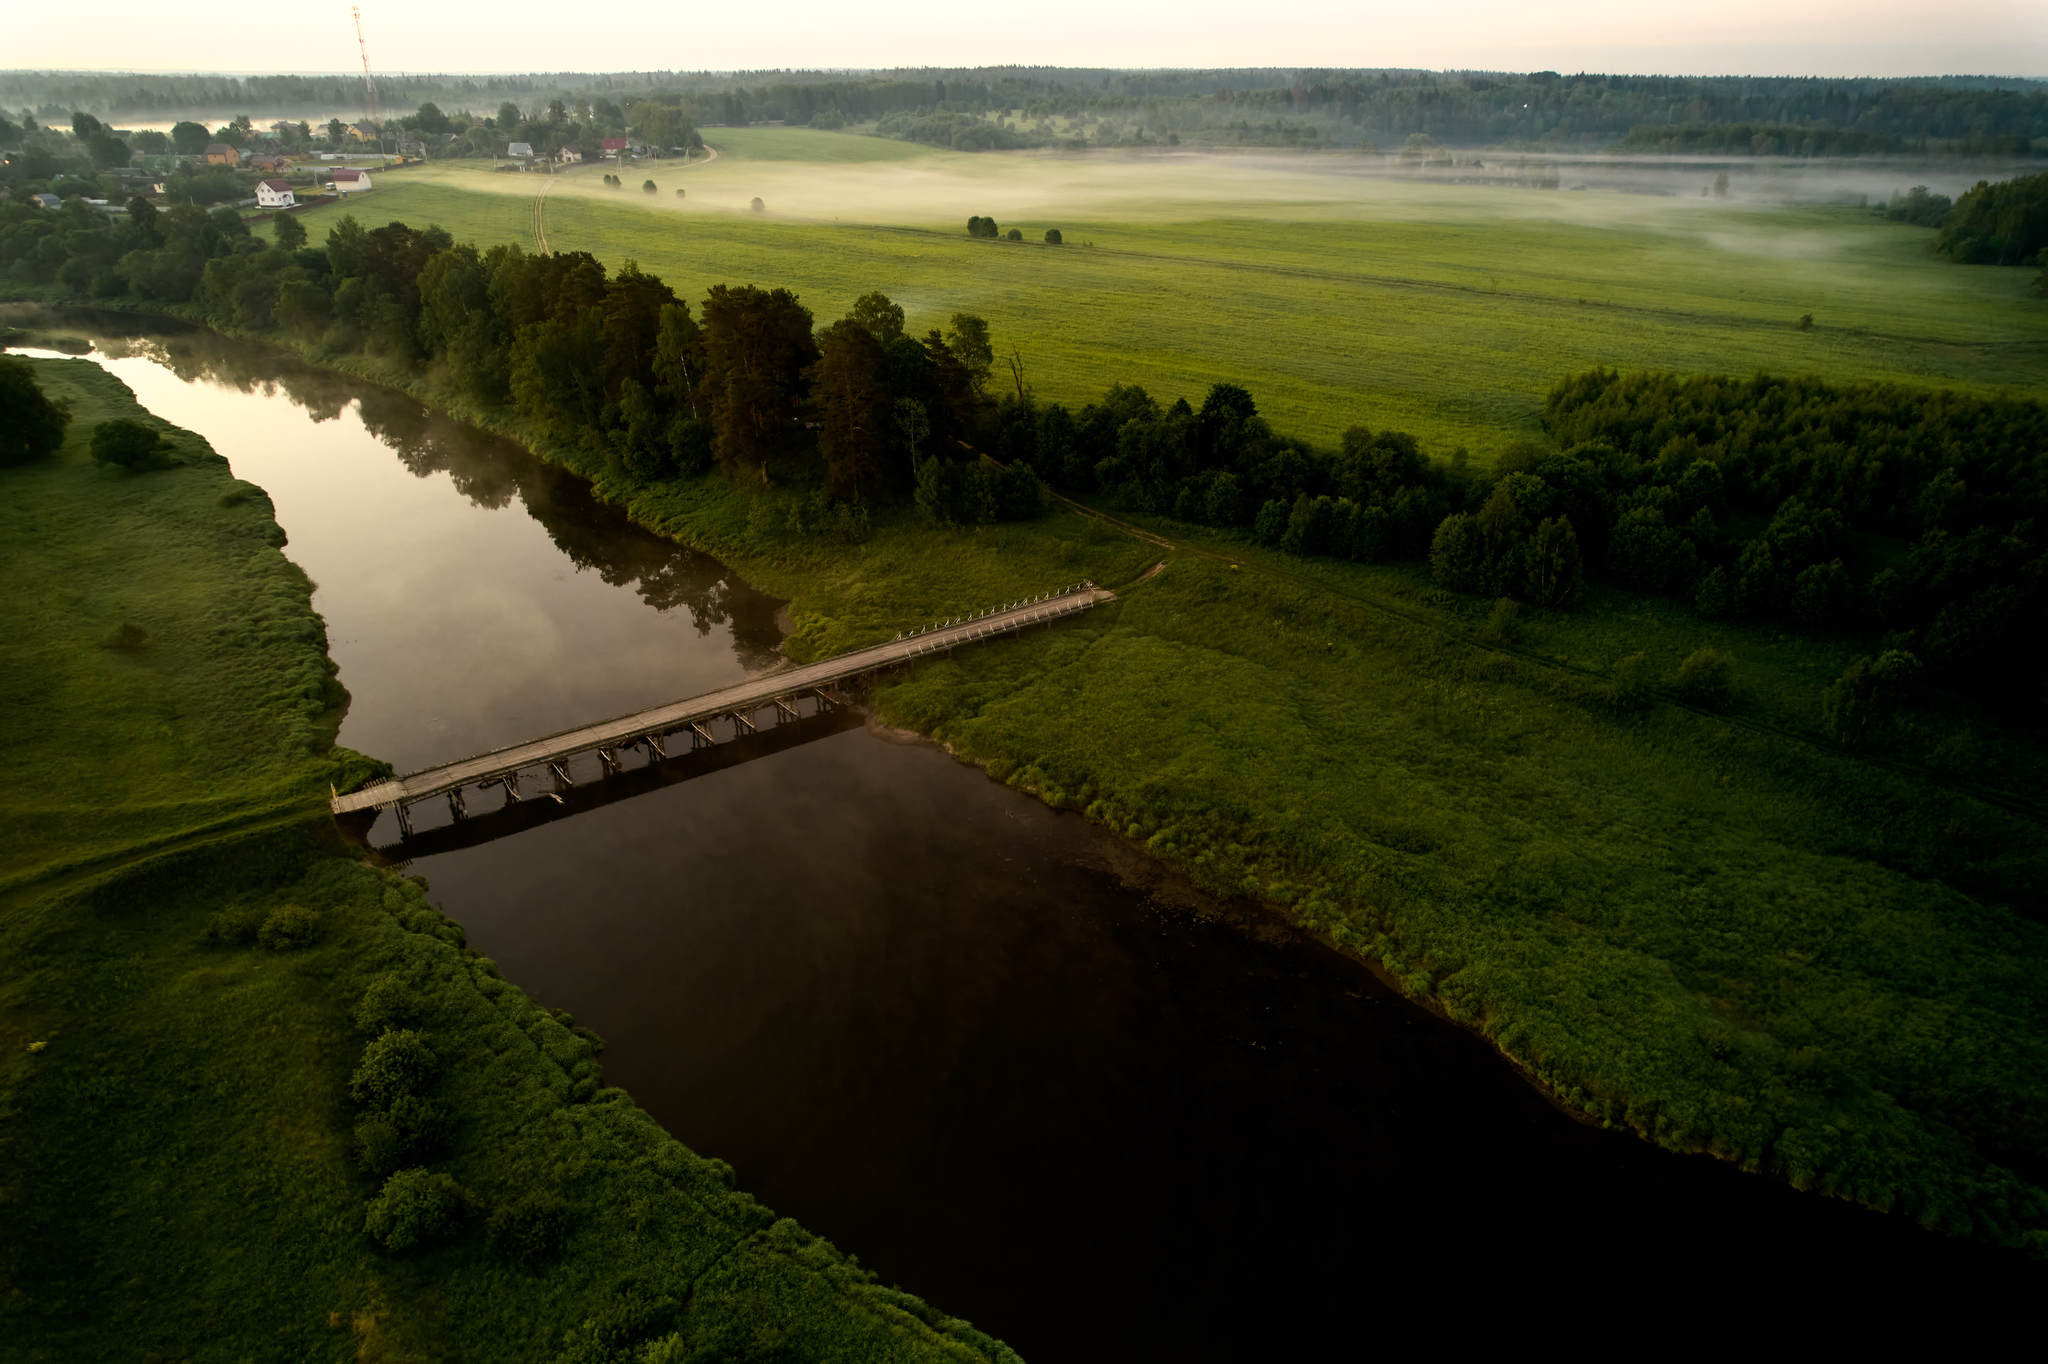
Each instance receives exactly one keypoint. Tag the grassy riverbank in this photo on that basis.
(191, 978)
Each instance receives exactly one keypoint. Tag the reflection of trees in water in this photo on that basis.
(487, 470)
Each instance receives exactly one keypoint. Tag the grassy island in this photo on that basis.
(259, 1099)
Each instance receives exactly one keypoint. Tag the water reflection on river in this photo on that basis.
(978, 1044)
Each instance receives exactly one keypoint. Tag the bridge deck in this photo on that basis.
(744, 696)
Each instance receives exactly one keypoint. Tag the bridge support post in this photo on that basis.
(700, 737)
(785, 711)
(510, 781)
(743, 723)
(404, 821)
(455, 806)
(610, 759)
(561, 770)
(656, 753)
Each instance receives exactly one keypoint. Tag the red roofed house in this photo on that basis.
(614, 146)
(274, 194)
(351, 181)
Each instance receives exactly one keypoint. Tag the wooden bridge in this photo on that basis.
(546, 761)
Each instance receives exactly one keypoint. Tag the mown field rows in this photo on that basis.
(1337, 299)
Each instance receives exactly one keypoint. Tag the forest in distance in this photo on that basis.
(1007, 108)
(1610, 616)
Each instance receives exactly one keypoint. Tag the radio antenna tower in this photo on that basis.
(369, 81)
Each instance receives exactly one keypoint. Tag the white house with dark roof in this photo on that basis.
(274, 194)
(349, 181)
(521, 150)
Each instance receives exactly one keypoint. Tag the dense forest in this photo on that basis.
(1911, 517)
(996, 107)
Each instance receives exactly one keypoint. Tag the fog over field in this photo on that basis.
(872, 180)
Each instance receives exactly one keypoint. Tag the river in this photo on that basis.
(989, 1049)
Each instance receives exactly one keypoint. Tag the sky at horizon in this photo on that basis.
(1738, 37)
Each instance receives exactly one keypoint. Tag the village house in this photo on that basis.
(362, 132)
(221, 154)
(614, 146)
(521, 150)
(347, 182)
(568, 156)
(47, 201)
(274, 194)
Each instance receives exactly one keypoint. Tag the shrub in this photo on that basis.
(413, 1130)
(127, 445)
(1053, 237)
(288, 928)
(647, 186)
(387, 1003)
(394, 1065)
(1632, 686)
(758, 206)
(1503, 620)
(1706, 678)
(127, 637)
(235, 927)
(530, 1231)
(1015, 234)
(413, 1208)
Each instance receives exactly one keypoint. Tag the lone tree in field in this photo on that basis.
(1015, 234)
(647, 186)
(1053, 237)
(31, 425)
(758, 206)
(126, 445)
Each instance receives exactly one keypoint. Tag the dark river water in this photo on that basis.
(982, 1046)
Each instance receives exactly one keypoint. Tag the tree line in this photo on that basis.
(611, 364)
(1914, 515)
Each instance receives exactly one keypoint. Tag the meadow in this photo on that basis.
(189, 981)
(1336, 295)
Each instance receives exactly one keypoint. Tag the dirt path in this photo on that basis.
(540, 222)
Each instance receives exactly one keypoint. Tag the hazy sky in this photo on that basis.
(1809, 37)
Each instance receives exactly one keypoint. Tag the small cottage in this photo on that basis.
(614, 146)
(348, 182)
(522, 151)
(568, 156)
(221, 154)
(47, 201)
(274, 194)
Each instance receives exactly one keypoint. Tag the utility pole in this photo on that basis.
(369, 81)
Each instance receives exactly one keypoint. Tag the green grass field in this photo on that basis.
(1336, 297)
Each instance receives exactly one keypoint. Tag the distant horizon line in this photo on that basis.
(47, 71)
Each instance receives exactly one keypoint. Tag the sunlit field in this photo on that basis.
(1336, 293)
